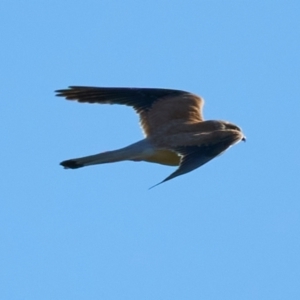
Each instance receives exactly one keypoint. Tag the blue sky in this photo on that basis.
(229, 230)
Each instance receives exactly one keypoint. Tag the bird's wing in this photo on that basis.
(156, 107)
(192, 157)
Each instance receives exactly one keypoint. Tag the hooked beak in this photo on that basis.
(244, 139)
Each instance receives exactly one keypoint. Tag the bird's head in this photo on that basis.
(230, 126)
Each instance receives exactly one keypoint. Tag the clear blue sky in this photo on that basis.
(229, 230)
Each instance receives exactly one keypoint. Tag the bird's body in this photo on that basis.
(172, 121)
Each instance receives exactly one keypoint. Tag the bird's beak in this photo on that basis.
(244, 139)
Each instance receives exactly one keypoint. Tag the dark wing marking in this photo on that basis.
(193, 157)
(141, 99)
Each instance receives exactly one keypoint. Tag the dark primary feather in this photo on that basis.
(139, 98)
(193, 157)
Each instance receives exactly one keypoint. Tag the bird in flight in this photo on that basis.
(172, 121)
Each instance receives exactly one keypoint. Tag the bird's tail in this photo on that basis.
(101, 158)
(135, 152)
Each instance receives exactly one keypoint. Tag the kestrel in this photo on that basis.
(173, 125)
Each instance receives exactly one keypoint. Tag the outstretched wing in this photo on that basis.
(141, 99)
(193, 157)
(156, 107)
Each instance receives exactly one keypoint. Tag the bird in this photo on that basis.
(175, 132)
